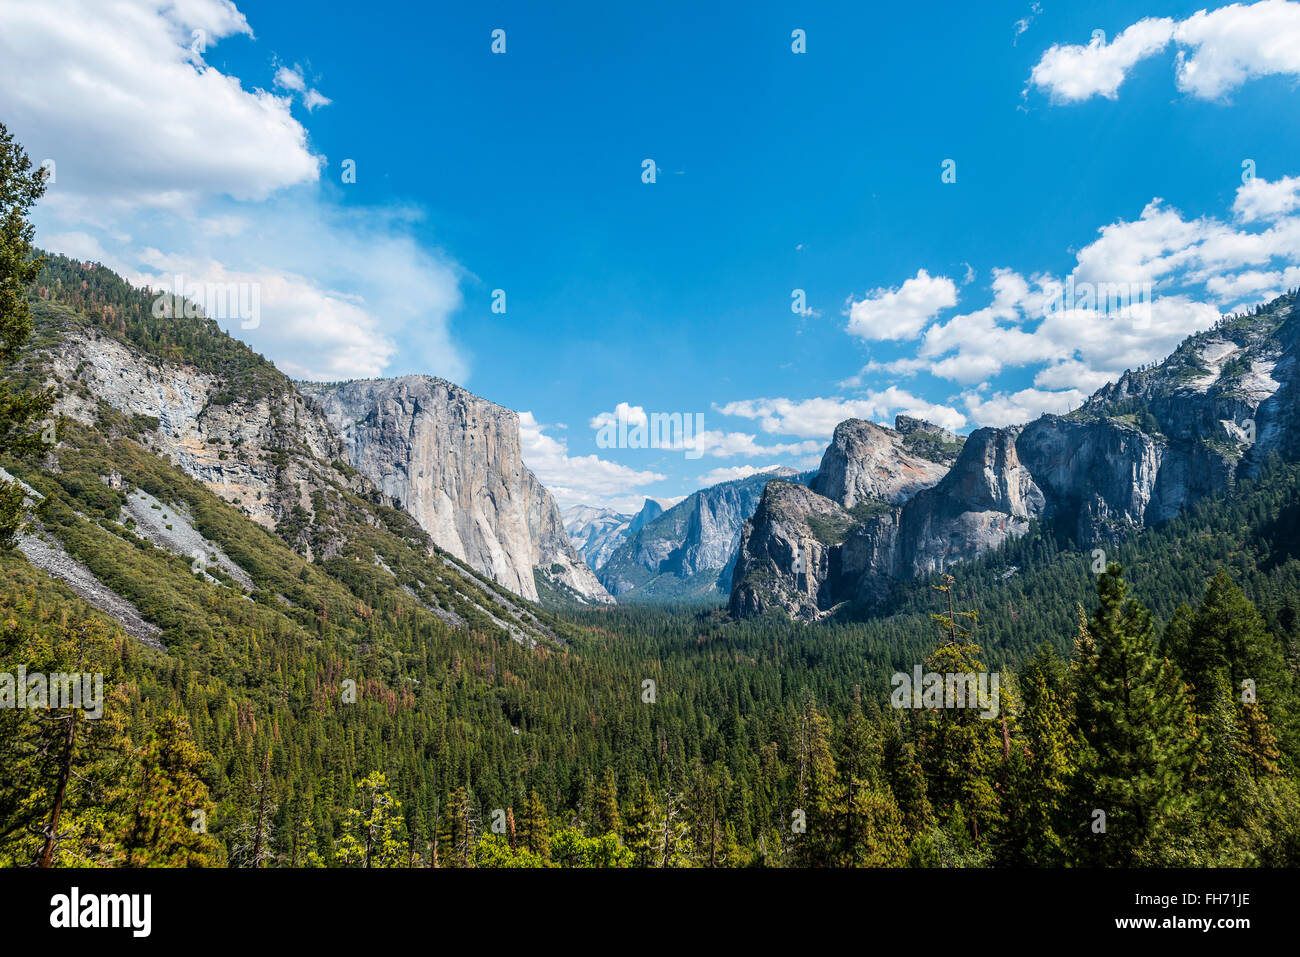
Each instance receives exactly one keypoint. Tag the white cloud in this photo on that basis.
(1254, 284)
(316, 333)
(1258, 199)
(715, 442)
(1149, 283)
(901, 313)
(155, 149)
(1073, 72)
(817, 417)
(634, 415)
(1224, 48)
(728, 444)
(582, 479)
(76, 244)
(1001, 409)
(1218, 51)
(732, 473)
(314, 98)
(1023, 23)
(116, 95)
(291, 78)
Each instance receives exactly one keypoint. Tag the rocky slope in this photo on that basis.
(1137, 453)
(868, 462)
(690, 549)
(265, 452)
(454, 462)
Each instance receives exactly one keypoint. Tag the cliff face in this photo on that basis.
(806, 550)
(1137, 453)
(453, 461)
(1147, 446)
(790, 556)
(251, 439)
(689, 550)
(987, 497)
(556, 564)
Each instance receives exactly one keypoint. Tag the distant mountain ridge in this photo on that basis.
(597, 532)
(688, 551)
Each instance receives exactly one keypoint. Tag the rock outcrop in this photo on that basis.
(1137, 453)
(868, 462)
(790, 556)
(264, 450)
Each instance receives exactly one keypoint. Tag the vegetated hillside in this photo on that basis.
(627, 735)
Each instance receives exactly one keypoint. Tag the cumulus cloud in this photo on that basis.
(1218, 51)
(149, 140)
(1073, 72)
(1002, 409)
(903, 312)
(120, 97)
(1136, 291)
(580, 479)
(1258, 199)
(817, 417)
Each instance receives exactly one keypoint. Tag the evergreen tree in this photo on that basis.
(20, 187)
(1138, 726)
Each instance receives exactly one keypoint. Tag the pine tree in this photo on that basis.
(607, 818)
(456, 838)
(1043, 761)
(158, 799)
(20, 188)
(534, 828)
(375, 832)
(1137, 723)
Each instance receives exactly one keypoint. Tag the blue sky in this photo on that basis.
(776, 171)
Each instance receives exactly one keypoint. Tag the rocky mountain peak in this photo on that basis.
(868, 462)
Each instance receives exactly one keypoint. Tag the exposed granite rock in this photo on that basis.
(597, 532)
(789, 558)
(454, 462)
(264, 454)
(866, 462)
(555, 561)
(986, 497)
